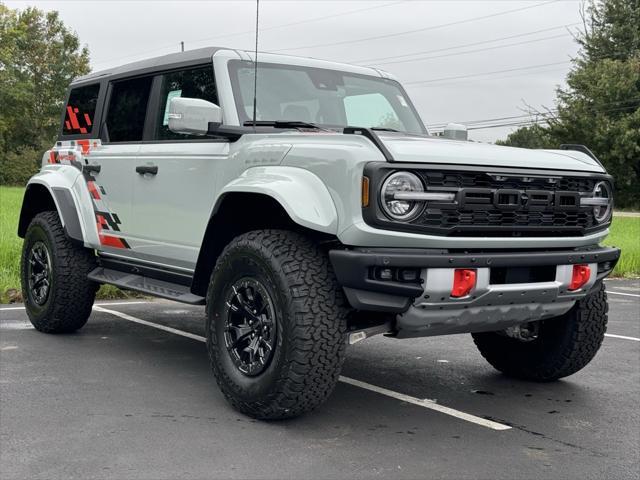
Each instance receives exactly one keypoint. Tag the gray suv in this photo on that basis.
(317, 216)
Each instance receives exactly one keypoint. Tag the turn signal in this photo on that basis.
(365, 191)
(464, 279)
(580, 276)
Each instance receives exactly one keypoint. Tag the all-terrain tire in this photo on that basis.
(67, 305)
(564, 344)
(311, 314)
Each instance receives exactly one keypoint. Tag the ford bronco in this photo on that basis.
(307, 211)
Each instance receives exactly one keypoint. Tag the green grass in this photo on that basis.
(10, 243)
(625, 234)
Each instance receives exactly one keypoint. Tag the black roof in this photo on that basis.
(180, 59)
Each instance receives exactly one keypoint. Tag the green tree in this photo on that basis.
(533, 136)
(600, 105)
(39, 56)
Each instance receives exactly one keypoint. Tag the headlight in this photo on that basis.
(602, 212)
(402, 210)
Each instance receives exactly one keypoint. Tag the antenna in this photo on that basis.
(182, 46)
(255, 68)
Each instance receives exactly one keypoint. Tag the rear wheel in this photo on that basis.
(276, 323)
(57, 294)
(552, 348)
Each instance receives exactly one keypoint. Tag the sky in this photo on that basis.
(460, 60)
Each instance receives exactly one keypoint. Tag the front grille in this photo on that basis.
(497, 204)
(477, 215)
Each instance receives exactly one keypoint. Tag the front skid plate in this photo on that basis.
(488, 307)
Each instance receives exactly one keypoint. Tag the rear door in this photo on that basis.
(174, 192)
(121, 134)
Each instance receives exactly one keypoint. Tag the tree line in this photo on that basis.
(39, 56)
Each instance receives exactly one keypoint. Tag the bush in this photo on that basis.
(17, 167)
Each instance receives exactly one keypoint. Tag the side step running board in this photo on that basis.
(150, 286)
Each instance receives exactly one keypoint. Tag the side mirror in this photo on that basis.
(192, 116)
(455, 131)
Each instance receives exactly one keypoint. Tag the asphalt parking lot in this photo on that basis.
(131, 396)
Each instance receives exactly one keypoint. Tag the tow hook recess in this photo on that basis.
(525, 333)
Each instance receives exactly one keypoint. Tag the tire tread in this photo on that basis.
(317, 347)
(575, 344)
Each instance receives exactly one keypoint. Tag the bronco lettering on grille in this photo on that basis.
(517, 199)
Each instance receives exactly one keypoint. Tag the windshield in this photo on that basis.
(325, 97)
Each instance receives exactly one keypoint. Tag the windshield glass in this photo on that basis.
(325, 97)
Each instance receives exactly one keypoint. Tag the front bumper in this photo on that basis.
(425, 307)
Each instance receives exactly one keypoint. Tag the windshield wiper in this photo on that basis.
(384, 129)
(282, 124)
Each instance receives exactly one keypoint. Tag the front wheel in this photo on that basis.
(557, 347)
(57, 294)
(276, 324)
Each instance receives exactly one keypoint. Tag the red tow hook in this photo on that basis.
(580, 276)
(464, 280)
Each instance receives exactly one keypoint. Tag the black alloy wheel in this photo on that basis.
(39, 273)
(250, 332)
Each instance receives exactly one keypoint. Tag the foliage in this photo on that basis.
(17, 167)
(534, 136)
(39, 57)
(600, 105)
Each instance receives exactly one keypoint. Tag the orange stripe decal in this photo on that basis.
(93, 190)
(85, 145)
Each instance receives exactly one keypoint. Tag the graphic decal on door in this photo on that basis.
(75, 153)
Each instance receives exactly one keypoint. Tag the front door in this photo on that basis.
(174, 189)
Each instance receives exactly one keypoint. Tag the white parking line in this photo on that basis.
(124, 316)
(430, 404)
(97, 304)
(625, 294)
(426, 403)
(622, 337)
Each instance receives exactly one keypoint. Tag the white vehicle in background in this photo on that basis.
(329, 216)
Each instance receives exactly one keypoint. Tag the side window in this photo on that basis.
(127, 109)
(80, 109)
(371, 110)
(193, 83)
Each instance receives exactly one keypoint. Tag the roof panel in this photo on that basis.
(151, 64)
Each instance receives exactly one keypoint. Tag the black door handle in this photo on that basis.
(91, 168)
(150, 169)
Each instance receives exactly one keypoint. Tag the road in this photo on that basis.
(131, 396)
